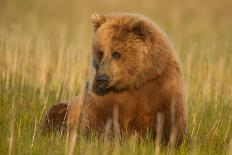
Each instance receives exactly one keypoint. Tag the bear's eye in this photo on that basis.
(116, 55)
(100, 54)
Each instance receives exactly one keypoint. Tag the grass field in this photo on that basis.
(45, 53)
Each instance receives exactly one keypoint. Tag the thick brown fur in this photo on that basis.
(145, 81)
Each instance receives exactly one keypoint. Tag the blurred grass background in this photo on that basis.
(45, 53)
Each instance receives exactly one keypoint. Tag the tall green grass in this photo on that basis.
(45, 53)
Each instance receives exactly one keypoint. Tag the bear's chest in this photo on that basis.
(127, 111)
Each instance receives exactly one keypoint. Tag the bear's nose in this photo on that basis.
(102, 81)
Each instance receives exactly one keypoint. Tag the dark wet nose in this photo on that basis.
(102, 81)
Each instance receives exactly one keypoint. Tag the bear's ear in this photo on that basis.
(139, 28)
(97, 20)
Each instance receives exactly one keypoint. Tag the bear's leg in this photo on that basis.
(61, 117)
(174, 127)
(64, 117)
(55, 118)
(179, 126)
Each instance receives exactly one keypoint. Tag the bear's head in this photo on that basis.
(128, 51)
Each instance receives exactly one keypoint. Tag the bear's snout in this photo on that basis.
(102, 81)
(101, 84)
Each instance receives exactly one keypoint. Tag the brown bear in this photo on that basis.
(137, 87)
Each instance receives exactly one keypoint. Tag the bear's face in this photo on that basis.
(121, 54)
(118, 56)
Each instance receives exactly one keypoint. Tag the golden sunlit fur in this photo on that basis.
(146, 81)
